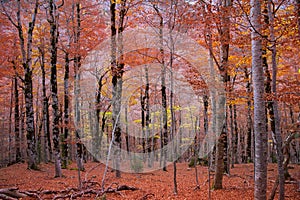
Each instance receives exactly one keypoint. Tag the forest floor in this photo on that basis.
(153, 185)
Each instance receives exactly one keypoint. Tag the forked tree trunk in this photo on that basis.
(26, 57)
(117, 65)
(221, 149)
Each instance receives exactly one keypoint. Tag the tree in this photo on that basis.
(117, 65)
(17, 117)
(260, 165)
(53, 21)
(26, 57)
(164, 133)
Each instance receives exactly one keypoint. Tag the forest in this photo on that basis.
(150, 99)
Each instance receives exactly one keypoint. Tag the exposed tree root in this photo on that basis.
(70, 193)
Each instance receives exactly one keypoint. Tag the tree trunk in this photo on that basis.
(249, 154)
(17, 120)
(221, 149)
(147, 118)
(117, 66)
(65, 145)
(276, 130)
(97, 140)
(163, 89)
(46, 117)
(260, 166)
(26, 54)
(77, 63)
(53, 81)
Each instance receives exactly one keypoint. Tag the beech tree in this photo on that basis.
(26, 57)
(117, 65)
(53, 21)
(260, 164)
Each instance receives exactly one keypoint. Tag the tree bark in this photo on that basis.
(77, 74)
(17, 119)
(221, 149)
(65, 145)
(276, 130)
(53, 20)
(260, 166)
(163, 88)
(26, 56)
(46, 117)
(249, 154)
(117, 68)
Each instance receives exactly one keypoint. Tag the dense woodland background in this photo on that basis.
(252, 47)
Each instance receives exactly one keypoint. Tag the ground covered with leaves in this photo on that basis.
(154, 185)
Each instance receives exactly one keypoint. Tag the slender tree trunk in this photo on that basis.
(53, 80)
(142, 100)
(236, 132)
(11, 160)
(232, 135)
(163, 89)
(46, 117)
(261, 138)
(277, 130)
(38, 124)
(65, 145)
(77, 63)
(17, 120)
(249, 154)
(147, 118)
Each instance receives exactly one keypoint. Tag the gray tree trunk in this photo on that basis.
(117, 65)
(77, 63)
(260, 166)
(164, 138)
(277, 129)
(221, 149)
(46, 117)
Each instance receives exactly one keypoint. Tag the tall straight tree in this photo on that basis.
(53, 21)
(260, 135)
(117, 69)
(26, 57)
(77, 63)
(46, 118)
(164, 138)
(276, 130)
(17, 117)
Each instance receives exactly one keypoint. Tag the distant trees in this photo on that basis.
(50, 39)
